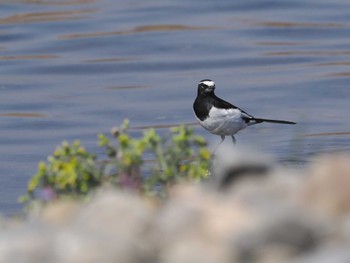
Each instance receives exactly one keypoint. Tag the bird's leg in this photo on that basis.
(217, 147)
(233, 139)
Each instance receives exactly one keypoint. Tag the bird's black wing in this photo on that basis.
(222, 104)
(249, 119)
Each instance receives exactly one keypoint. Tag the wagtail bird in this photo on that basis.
(221, 117)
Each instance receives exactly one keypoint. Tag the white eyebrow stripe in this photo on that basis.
(208, 83)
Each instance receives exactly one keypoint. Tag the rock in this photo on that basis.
(327, 185)
(253, 215)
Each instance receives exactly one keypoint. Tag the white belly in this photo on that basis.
(224, 122)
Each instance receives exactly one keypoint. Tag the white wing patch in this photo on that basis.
(224, 121)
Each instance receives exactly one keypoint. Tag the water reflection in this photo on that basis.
(336, 63)
(340, 74)
(276, 43)
(126, 87)
(309, 53)
(296, 24)
(107, 60)
(140, 29)
(29, 57)
(23, 115)
(56, 2)
(45, 16)
(163, 126)
(327, 134)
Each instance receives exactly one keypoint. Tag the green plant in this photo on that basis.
(72, 171)
(182, 157)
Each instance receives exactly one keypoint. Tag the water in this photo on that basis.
(72, 69)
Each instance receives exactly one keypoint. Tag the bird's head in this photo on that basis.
(206, 86)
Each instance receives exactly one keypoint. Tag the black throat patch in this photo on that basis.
(201, 107)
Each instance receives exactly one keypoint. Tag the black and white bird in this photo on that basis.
(221, 117)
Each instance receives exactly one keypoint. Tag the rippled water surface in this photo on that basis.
(72, 69)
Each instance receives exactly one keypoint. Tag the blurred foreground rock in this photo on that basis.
(249, 211)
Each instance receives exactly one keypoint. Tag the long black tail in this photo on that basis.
(258, 120)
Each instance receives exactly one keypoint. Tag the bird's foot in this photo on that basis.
(233, 140)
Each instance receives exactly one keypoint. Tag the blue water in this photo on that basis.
(72, 69)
